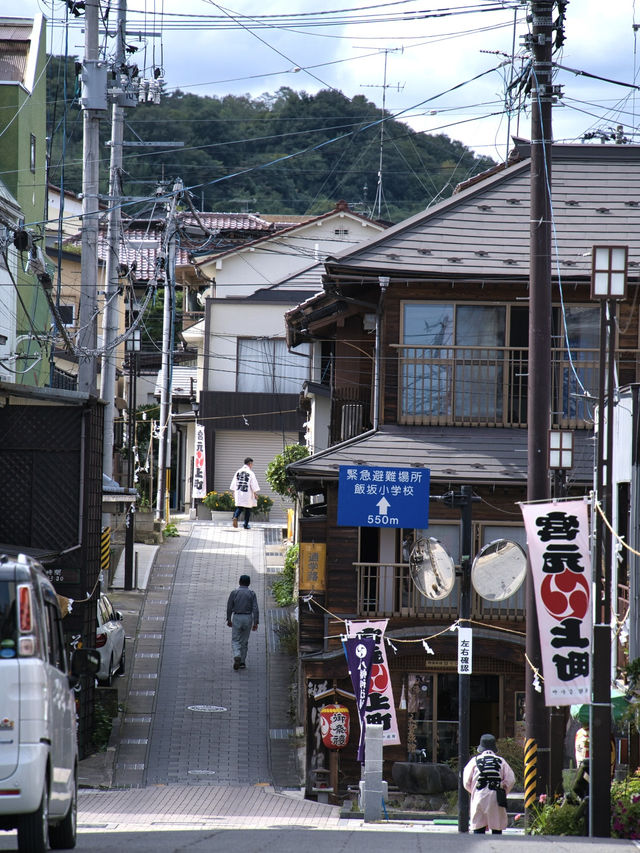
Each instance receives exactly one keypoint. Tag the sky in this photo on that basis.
(432, 50)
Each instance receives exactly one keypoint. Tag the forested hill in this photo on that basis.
(231, 143)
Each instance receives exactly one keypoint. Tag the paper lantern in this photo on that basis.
(334, 725)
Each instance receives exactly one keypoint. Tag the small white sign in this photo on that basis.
(465, 651)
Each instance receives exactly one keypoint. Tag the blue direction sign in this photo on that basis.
(383, 497)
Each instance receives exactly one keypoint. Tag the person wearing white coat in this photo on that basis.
(245, 489)
(483, 775)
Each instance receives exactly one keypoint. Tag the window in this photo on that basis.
(66, 313)
(32, 153)
(453, 359)
(54, 637)
(468, 363)
(265, 365)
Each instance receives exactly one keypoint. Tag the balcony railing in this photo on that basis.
(386, 589)
(487, 386)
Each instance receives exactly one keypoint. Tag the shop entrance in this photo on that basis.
(433, 713)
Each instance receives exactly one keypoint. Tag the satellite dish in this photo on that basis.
(499, 570)
(432, 569)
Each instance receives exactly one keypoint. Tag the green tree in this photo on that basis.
(238, 151)
(276, 470)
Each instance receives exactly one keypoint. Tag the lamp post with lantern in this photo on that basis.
(608, 285)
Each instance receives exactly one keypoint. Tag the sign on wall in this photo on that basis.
(313, 560)
(383, 497)
(558, 543)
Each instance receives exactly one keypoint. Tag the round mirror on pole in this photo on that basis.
(432, 569)
(499, 570)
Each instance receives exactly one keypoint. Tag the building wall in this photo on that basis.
(23, 113)
(249, 269)
(229, 320)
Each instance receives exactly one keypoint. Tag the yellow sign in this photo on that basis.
(313, 559)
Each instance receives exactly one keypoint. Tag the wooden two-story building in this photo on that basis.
(423, 335)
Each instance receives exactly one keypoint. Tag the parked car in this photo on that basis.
(110, 641)
(38, 738)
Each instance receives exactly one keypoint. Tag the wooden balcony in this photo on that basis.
(386, 590)
(487, 386)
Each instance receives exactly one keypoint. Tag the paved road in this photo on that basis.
(215, 777)
(211, 722)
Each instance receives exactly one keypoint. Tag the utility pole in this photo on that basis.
(110, 314)
(94, 102)
(164, 444)
(539, 381)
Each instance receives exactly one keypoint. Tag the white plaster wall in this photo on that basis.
(229, 321)
(8, 315)
(250, 269)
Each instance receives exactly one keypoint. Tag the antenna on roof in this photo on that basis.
(377, 202)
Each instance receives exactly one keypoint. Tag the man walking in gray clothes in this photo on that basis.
(242, 617)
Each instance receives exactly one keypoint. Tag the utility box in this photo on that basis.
(94, 85)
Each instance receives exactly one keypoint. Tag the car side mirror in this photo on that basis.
(118, 615)
(84, 662)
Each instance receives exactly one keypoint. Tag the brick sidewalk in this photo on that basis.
(240, 732)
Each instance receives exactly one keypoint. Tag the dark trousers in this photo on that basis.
(247, 513)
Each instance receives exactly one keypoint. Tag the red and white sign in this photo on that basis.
(380, 709)
(199, 464)
(560, 558)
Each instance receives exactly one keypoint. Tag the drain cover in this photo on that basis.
(207, 709)
(202, 772)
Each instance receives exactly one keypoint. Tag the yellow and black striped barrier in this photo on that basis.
(105, 553)
(530, 771)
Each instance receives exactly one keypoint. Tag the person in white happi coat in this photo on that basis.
(484, 774)
(245, 490)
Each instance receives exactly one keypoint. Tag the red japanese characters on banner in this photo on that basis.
(334, 725)
(199, 464)
(380, 708)
(560, 558)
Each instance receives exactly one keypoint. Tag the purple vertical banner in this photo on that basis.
(359, 654)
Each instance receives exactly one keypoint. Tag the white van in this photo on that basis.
(38, 743)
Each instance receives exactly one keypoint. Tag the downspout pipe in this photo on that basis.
(383, 280)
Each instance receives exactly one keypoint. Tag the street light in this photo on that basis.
(608, 284)
(560, 449)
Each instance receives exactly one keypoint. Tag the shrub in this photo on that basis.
(513, 753)
(284, 585)
(558, 817)
(625, 808)
(264, 503)
(286, 629)
(220, 501)
(276, 470)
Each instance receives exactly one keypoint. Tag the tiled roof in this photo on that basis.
(142, 241)
(483, 231)
(471, 455)
(341, 208)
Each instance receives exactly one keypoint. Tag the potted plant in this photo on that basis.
(219, 502)
(262, 509)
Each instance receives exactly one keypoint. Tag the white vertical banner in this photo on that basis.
(465, 651)
(380, 708)
(199, 489)
(560, 558)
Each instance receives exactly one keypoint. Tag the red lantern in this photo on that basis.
(334, 725)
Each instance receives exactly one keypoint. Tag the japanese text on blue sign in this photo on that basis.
(383, 497)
